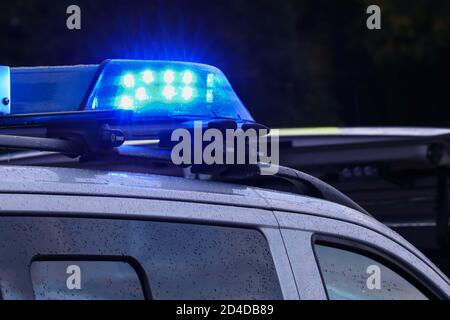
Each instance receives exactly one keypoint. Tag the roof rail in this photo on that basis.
(304, 183)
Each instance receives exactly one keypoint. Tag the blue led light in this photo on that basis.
(128, 80)
(210, 80)
(147, 76)
(169, 76)
(166, 89)
(188, 77)
(209, 96)
(141, 94)
(169, 92)
(187, 93)
(126, 102)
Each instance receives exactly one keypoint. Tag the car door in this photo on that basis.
(87, 247)
(343, 260)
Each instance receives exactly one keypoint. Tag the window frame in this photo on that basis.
(384, 257)
(298, 229)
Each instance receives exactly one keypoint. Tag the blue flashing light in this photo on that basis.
(169, 92)
(209, 96)
(169, 76)
(188, 77)
(187, 93)
(210, 80)
(166, 89)
(128, 80)
(147, 76)
(126, 102)
(141, 94)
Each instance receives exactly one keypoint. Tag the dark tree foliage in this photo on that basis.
(293, 62)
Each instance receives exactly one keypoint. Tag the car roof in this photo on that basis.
(69, 181)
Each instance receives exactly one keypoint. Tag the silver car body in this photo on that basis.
(289, 222)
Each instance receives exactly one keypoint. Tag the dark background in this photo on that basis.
(293, 63)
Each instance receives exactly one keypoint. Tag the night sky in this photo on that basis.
(292, 62)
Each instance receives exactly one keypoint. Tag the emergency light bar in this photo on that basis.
(141, 99)
(101, 106)
(165, 89)
(159, 94)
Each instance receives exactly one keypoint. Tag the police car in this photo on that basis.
(93, 208)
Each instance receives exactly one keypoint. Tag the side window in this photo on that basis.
(352, 276)
(208, 262)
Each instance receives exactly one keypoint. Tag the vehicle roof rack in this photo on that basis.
(70, 133)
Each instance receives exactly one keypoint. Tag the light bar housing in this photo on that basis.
(147, 99)
(167, 90)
